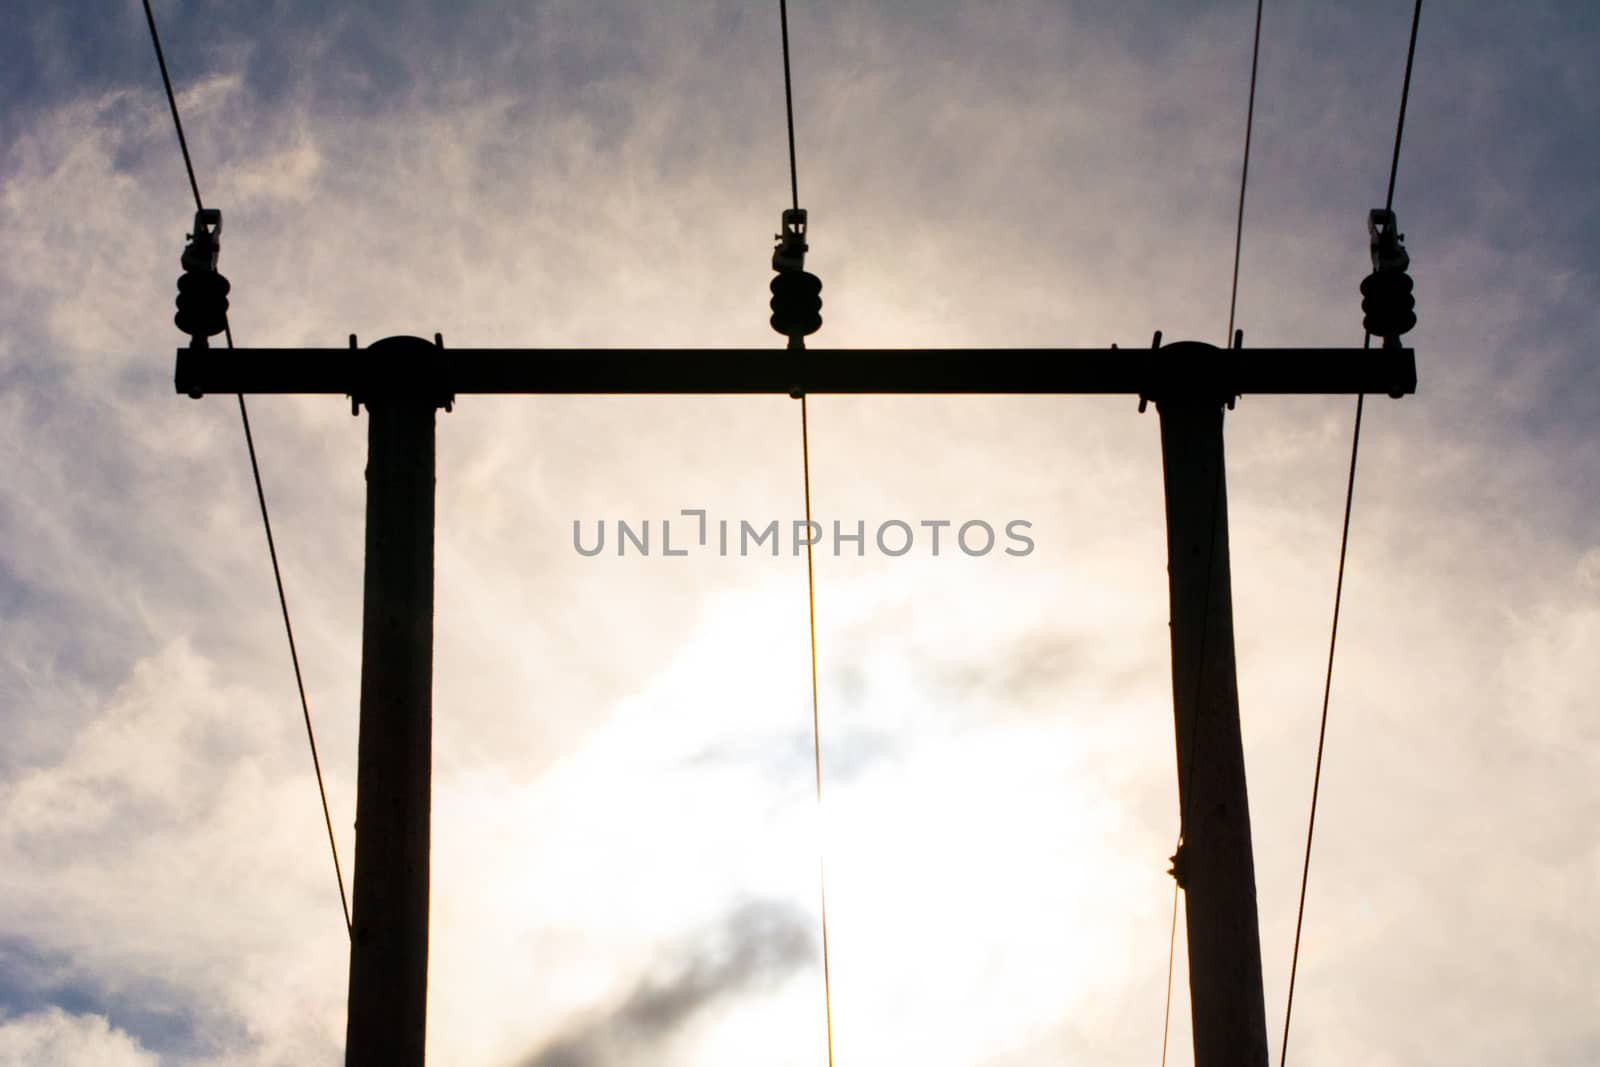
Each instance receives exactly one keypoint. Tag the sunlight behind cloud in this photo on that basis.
(625, 832)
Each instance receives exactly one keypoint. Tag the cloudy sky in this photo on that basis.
(625, 837)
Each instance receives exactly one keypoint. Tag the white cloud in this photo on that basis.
(63, 1040)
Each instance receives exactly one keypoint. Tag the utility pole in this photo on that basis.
(404, 380)
(387, 1023)
(1214, 864)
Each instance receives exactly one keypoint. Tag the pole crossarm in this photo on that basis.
(1184, 367)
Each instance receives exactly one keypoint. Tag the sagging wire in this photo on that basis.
(261, 496)
(1344, 544)
(797, 311)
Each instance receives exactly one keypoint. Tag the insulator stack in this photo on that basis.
(202, 304)
(1386, 300)
(202, 292)
(796, 303)
(1387, 303)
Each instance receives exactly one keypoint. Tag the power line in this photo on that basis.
(1172, 942)
(1322, 733)
(1244, 170)
(788, 100)
(797, 342)
(1186, 773)
(1338, 587)
(172, 102)
(261, 496)
(1405, 95)
(294, 656)
(816, 731)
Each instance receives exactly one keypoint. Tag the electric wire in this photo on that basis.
(1244, 170)
(172, 102)
(1405, 96)
(1186, 773)
(816, 731)
(1172, 941)
(294, 656)
(788, 101)
(797, 341)
(1322, 733)
(1338, 587)
(261, 496)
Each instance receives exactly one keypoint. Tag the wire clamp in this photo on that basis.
(792, 248)
(796, 293)
(205, 242)
(1388, 250)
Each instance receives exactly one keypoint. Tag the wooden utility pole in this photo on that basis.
(1214, 862)
(404, 380)
(387, 1023)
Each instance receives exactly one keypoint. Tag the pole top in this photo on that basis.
(408, 370)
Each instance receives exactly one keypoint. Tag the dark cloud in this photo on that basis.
(759, 943)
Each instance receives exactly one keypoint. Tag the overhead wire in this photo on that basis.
(1244, 171)
(1186, 773)
(1338, 587)
(788, 100)
(816, 730)
(1171, 946)
(797, 341)
(172, 102)
(261, 496)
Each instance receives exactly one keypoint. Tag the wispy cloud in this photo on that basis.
(757, 946)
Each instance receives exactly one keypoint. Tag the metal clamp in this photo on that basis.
(205, 242)
(792, 248)
(1388, 251)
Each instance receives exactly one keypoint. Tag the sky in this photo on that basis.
(625, 834)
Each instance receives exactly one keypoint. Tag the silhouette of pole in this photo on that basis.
(387, 1024)
(1215, 864)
